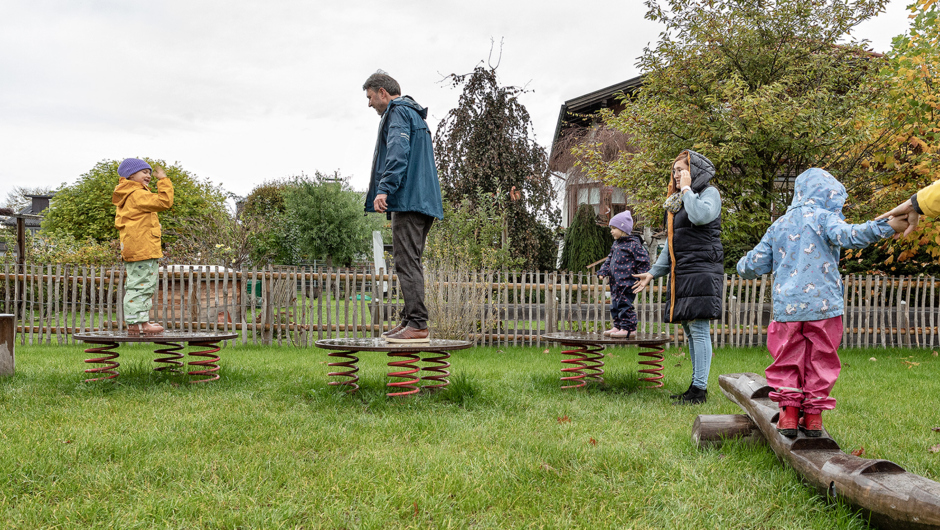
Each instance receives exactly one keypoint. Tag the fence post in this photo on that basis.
(7, 331)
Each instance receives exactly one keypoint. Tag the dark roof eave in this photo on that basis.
(602, 94)
(592, 98)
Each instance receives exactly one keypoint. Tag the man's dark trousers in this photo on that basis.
(409, 232)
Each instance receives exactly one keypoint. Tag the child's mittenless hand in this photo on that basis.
(899, 224)
(645, 279)
(158, 172)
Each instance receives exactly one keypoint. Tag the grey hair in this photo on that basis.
(381, 79)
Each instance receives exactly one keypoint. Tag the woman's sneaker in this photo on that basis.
(694, 396)
(686, 393)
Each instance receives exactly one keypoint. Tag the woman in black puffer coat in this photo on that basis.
(694, 262)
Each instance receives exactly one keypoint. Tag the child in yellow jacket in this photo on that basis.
(136, 220)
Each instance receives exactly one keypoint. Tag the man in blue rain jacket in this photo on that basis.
(404, 183)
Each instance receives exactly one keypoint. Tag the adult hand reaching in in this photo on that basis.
(905, 209)
(644, 279)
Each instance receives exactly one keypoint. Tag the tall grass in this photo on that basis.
(271, 445)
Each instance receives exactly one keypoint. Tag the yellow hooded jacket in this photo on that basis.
(927, 200)
(136, 217)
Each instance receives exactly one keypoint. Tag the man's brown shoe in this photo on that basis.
(396, 329)
(144, 328)
(410, 334)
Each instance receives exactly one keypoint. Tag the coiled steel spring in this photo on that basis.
(209, 364)
(107, 360)
(656, 352)
(352, 369)
(587, 365)
(172, 352)
(411, 382)
(440, 379)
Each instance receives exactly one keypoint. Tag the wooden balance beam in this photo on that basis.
(887, 494)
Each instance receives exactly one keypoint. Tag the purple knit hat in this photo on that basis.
(623, 221)
(132, 165)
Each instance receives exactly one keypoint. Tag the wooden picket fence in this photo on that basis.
(297, 306)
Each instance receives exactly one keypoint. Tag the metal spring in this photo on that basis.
(656, 352)
(110, 365)
(173, 352)
(350, 373)
(412, 382)
(587, 365)
(209, 363)
(441, 370)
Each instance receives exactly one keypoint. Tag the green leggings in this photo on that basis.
(140, 285)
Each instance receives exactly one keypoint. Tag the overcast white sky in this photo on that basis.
(243, 91)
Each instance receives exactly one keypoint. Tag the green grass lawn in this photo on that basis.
(271, 445)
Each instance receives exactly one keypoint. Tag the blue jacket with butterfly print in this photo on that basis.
(802, 247)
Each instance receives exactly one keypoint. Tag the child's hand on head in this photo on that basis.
(158, 172)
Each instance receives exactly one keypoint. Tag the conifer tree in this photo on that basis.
(585, 241)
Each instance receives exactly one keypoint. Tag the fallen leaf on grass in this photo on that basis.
(872, 359)
(564, 419)
(416, 508)
(547, 467)
(934, 449)
(934, 354)
(678, 365)
(911, 364)
(592, 441)
(500, 351)
(66, 441)
(546, 351)
(935, 429)
(858, 452)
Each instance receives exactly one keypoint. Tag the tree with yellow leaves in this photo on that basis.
(913, 159)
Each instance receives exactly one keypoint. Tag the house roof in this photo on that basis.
(593, 101)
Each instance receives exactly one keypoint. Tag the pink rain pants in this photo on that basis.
(806, 363)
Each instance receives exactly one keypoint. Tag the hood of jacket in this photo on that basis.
(816, 188)
(701, 170)
(123, 190)
(410, 102)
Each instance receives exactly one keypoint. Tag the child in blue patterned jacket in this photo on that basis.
(801, 248)
(627, 257)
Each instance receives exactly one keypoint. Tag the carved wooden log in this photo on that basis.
(889, 495)
(711, 430)
(7, 330)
